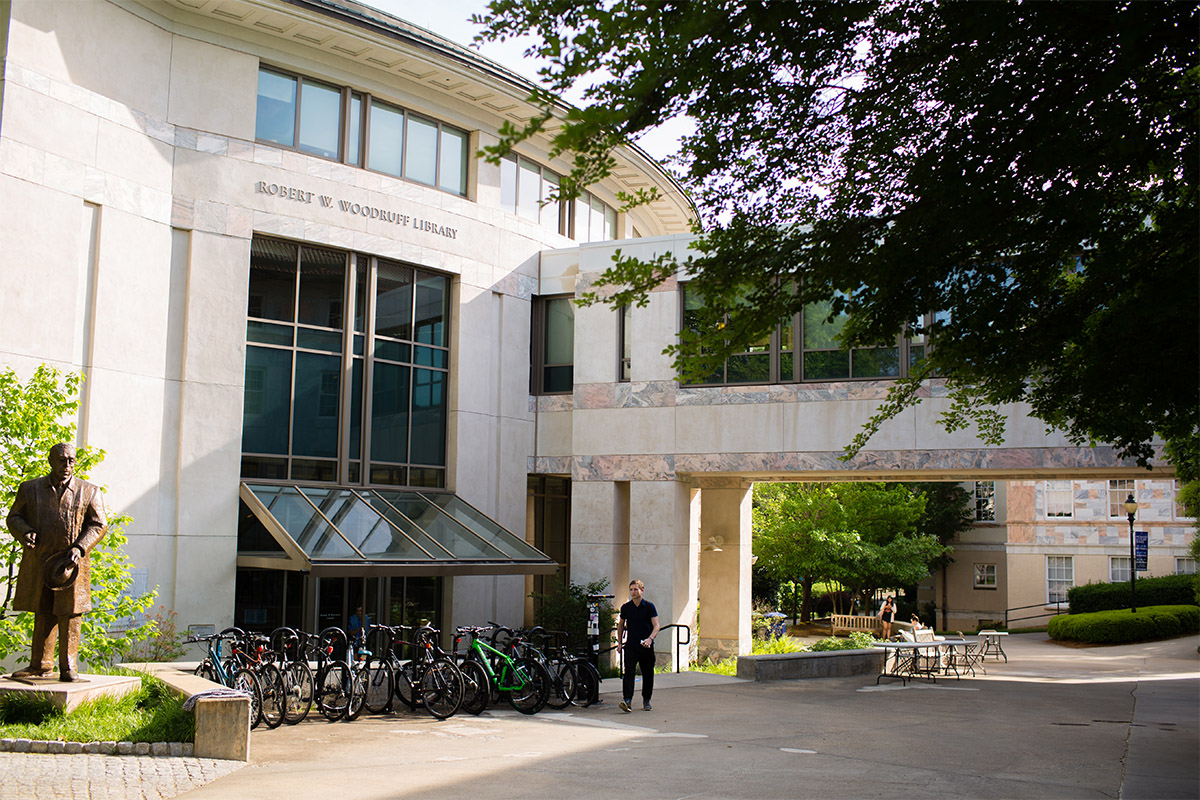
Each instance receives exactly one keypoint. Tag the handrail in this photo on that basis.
(678, 643)
(1058, 609)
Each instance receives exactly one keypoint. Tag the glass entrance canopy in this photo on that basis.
(358, 531)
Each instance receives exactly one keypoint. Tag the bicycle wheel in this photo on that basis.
(380, 685)
(564, 686)
(356, 689)
(442, 688)
(244, 680)
(298, 690)
(534, 689)
(274, 696)
(207, 671)
(333, 697)
(406, 679)
(589, 683)
(477, 688)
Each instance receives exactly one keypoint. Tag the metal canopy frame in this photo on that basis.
(339, 531)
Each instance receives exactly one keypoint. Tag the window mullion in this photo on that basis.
(369, 371)
(344, 411)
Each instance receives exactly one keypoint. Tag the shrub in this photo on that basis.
(1120, 625)
(1168, 590)
(564, 607)
(857, 640)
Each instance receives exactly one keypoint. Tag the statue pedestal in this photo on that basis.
(68, 695)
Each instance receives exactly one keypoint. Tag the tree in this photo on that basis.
(1016, 182)
(862, 535)
(799, 534)
(35, 416)
(948, 512)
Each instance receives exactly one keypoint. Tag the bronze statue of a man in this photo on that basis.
(59, 519)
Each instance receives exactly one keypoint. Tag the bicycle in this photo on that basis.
(298, 680)
(339, 691)
(222, 669)
(523, 681)
(430, 679)
(251, 652)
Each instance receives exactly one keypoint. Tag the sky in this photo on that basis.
(450, 18)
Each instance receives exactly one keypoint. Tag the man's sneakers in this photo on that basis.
(625, 706)
(645, 706)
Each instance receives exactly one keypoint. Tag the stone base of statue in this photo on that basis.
(67, 696)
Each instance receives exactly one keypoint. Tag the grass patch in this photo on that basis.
(153, 713)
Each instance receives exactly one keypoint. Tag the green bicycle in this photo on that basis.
(491, 672)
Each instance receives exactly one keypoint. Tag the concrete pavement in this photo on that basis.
(1054, 722)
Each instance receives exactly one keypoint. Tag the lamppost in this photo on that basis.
(1131, 507)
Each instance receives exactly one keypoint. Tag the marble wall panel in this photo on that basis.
(135, 74)
(634, 432)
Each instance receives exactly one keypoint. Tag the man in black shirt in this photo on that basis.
(639, 625)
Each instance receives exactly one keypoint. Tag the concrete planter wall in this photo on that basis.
(790, 666)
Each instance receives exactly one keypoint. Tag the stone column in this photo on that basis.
(662, 554)
(725, 555)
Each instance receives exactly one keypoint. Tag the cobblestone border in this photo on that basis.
(102, 748)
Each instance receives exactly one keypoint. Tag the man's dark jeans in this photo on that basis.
(637, 656)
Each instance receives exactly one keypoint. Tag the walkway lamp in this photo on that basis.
(1131, 507)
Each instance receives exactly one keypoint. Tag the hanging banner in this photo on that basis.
(1141, 550)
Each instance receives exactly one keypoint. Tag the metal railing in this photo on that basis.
(1060, 607)
(683, 638)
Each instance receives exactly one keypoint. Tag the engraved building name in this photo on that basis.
(297, 195)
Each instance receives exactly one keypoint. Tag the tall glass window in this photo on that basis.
(314, 117)
(624, 343)
(275, 120)
(320, 119)
(304, 351)
(554, 345)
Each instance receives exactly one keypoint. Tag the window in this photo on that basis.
(313, 376)
(328, 121)
(551, 521)
(624, 343)
(1060, 576)
(593, 220)
(1177, 502)
(985, 576)
(1118, 492)
(1185, 565)
(531, 191)
(1118, 569)
(806, 348)
(985, 501)
(1058, 500)
(553, 350)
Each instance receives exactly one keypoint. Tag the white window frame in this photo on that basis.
(985, 501)
(1060, 576)
(1057, 487)
(1118, 490)
(985, 576)
(1118, 569)
(1185, 565)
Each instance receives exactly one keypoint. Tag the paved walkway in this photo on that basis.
(32, 776)
(1053, 722)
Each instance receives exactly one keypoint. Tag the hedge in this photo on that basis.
(1168, 590)
(1116, 626)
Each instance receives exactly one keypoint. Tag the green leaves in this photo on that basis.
(1039, 192)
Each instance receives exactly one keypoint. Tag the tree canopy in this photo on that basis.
(865, 536)
(1014, 181)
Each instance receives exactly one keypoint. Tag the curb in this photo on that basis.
(56, 747)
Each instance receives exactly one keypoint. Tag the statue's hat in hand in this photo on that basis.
(59, 571)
